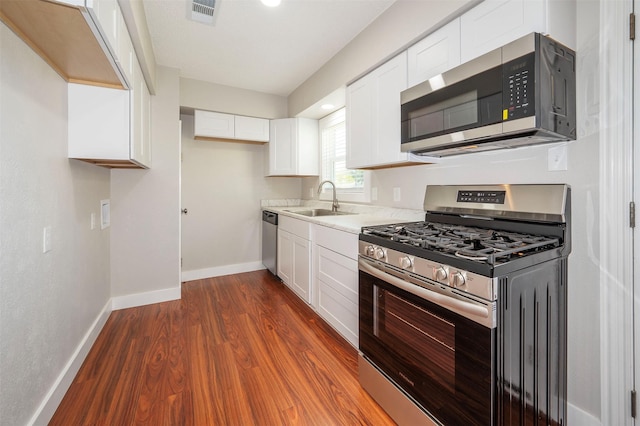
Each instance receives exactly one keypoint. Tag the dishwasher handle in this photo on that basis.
(270, 217)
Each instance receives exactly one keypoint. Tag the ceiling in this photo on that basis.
(255, 47)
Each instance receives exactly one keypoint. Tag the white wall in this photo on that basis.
(48, 302)
(222, 185)
(402, 24)
(145, 210)
(215, 97)
(525, 165)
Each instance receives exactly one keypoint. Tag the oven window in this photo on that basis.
(422, 335)
(443, 360)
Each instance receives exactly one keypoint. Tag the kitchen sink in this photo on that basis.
(318, 212)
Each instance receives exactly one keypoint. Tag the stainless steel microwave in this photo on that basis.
(523, 93)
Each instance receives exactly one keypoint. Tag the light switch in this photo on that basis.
(93, 221)
(396, 194)
(374, 194)
(46, 239)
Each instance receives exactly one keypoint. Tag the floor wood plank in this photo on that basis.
(236, 350)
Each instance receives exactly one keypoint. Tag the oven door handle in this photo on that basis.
(478, 313)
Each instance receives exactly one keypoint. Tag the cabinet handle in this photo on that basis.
(184, 211)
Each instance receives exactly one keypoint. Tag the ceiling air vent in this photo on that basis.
(202, 11)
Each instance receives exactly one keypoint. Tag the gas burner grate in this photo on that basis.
(471, 243)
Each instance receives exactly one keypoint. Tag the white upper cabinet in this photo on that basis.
(293, 147)
(209, 124)
(436, 53)
(373, 117)
(111, 127)
(215, 125)
(251, 128)
(494, 23)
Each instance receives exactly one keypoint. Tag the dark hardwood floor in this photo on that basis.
(236, 350)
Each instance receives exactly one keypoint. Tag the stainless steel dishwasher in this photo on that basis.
(270, 240)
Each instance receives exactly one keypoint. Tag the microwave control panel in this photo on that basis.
(518, 94)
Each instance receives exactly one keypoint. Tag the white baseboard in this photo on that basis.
(198, 274)
(50, 403)
(141, 299)
(577, 416)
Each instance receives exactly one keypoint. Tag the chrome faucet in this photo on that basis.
(334, 205)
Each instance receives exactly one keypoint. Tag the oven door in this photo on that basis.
(443, 360)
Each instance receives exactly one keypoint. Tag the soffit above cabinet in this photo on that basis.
(61, 35)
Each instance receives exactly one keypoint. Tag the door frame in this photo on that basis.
(616, 192)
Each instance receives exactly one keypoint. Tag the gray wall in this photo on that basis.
(145, 204)
(48, 301)
(222, 185)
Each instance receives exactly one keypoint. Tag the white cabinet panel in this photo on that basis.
(293, 147)
(294, 255)
(111, 127)
(98, 123)
(436, 53)
(373, 117)
(494, 23)
(285, 256)
(214, 125)
(337, 282)
(251, 128)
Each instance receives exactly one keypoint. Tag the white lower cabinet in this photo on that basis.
(294, 255)
(320, 264)
(336, 280)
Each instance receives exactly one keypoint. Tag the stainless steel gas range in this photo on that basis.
(463, 316)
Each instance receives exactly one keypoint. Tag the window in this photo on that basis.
(351, 185)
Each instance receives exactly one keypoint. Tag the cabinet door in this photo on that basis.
(146, 125)
(285, 257)
(214, 125)
(251, 128)
(360, 122)
(282, 147)
(99, 122)
(494, 23)
(436, 53)
(391, 79)
(306, 141)
(105, 14)
(337, 281)
(301, 282)
(125, 55)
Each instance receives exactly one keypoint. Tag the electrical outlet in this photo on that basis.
(396, 194)
(311, 193)
(557, 158)
(374, 194)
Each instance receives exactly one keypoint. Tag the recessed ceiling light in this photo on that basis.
(327, 106)
(271, 3)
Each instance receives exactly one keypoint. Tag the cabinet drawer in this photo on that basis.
(337, 281)
(297, 227)
(342, 242)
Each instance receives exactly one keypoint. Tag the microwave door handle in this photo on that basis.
(459, 306)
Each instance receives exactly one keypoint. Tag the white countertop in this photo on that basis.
(363, 215)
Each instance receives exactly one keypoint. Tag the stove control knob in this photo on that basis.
(378, 253)
(457, 280)
(406, 262)
(440, 274)
(368, 250)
